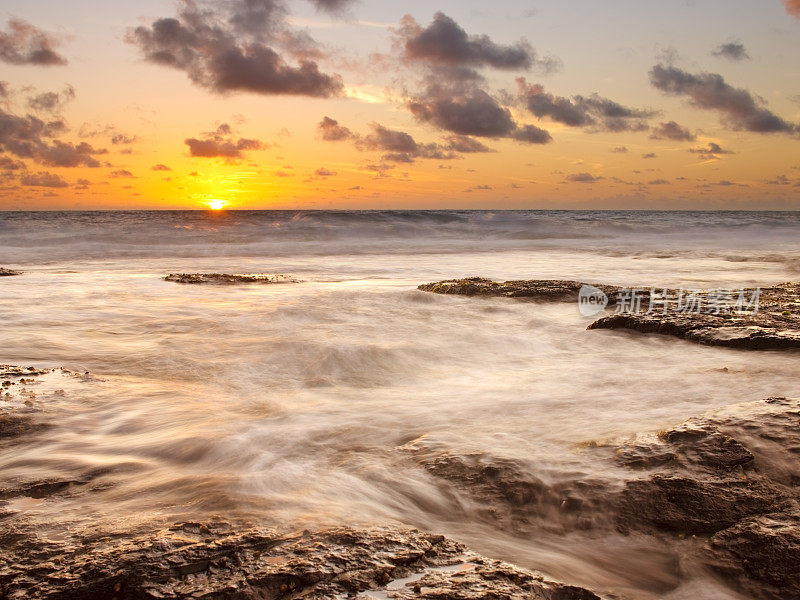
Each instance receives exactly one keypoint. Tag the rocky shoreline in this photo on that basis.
(722, 490)
(775, 326)
(9, 272)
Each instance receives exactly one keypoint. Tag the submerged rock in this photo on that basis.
(223, 279)
(775, 326)
(725, 484)
(17, 412)
(9, 272)
(513, 496)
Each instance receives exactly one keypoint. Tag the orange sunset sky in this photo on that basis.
(258, 104)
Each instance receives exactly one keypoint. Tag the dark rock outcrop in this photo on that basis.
(753, 332)
(726, 484)
(774, 326)
(761, 553)
(546, 290)
(226, 279)
(9, 272)
(514, 498)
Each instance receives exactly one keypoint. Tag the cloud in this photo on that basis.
(66, 154)
(792, 7)
(331, 6)
(399, 146)
(649, 155)
(466, 144)
(445, 42)
(658, 182)
(619, 150)
(472, 112)
(24, 44)
(43, 179)
(531, 134)
(51, 102)
(331, 131)
(121, 138)
(740, 109)
(220, 144)
(230, 47)
(36, 139)
(122, 174)
(323, 172)
(9, 164)
(732, 51)
(672, 131)
(450, 94)
(582, 178)
(592, 111)
(160, 167)
(711, 152)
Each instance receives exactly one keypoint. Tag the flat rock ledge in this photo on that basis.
(219, 561)
(9, 272)
(776, 325)
(548, 290)
(229, 279)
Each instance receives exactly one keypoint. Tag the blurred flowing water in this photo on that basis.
(288, 403)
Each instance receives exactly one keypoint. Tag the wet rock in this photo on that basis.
(513, 497)
(762, 553)
(14, 426)
(215, 560)
(481, 579)
(733, 475)
(17, 418)
(725, 483)
(9, 272)
(775, 326)
(226, 279)
(543, 289)
(754, 332)
(689, 506)
(8, 372)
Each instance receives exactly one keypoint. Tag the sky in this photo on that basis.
(361, 104)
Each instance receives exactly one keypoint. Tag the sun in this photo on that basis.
(216, 204)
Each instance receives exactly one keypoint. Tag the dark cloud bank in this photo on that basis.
(242, 45)
(23, 44)
(740, 109)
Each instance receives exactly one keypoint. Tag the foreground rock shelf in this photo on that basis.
(228, 279)
(721, 492)
(9, 272)
(216, 560)
(776, 325)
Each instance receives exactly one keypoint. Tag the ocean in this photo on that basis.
(292, 404)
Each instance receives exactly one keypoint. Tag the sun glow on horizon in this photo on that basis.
(216, 204)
